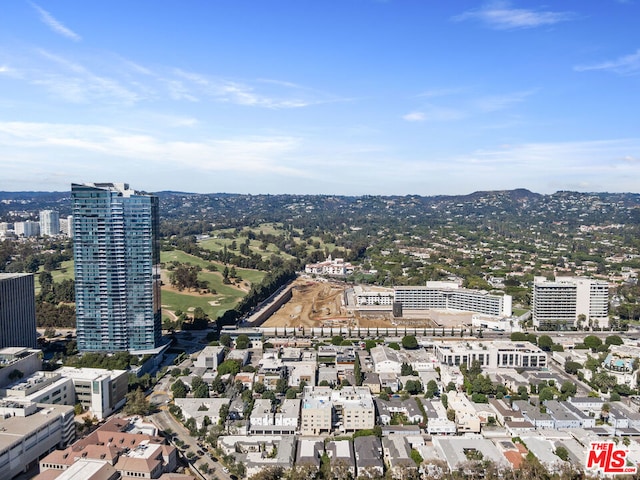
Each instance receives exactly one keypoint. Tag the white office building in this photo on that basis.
(28, 431)
(99, 390)
(449, 296)
(496, 354)
(561, 303)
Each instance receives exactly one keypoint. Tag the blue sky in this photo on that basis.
(321, 96)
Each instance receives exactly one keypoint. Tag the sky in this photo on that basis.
(349, 97)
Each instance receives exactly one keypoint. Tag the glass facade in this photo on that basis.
(117, 257)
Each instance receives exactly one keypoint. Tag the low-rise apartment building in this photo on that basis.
(352, 408)
(285, 421)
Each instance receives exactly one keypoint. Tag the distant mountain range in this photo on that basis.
(241, 209)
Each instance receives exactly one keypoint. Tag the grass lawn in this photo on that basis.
(226, 297)
(65, 272)
(519, 311)
(217, 244)
(180, 301)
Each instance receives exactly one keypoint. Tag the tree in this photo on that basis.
(545, 343)
(432, 389)
(218, 385)
(184, 276)
(201, 390)
(413, 387)
(613, 340)
(229, 366)
(479, 398)
(406, 370)
(592, 342)
(337, 340)
(291, 393)
(547, 393)
(409, 342)
(242, 342)
(179, 389)
(568, 389)
(522, 392)
(137, 403)
(281, 385)
(269, 473)
(572, 367)
(225, 340)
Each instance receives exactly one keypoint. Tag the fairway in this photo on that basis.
(226, 296)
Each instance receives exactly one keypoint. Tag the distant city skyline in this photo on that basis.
(345, 97)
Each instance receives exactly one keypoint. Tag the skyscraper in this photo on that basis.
(49, 223)
(117, 272)
(17, 310)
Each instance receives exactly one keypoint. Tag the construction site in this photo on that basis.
(324, 304)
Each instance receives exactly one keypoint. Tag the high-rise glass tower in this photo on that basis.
(117, 268)
(49, 223)
(17, 310)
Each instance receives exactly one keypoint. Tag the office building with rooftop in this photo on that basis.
(491, 354)
(562, 303)
(30, 430)
(117, 272)
(17, 310)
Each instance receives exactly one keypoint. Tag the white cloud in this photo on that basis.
(289, 95)
(625, 65)
(77, 84)
(433, 113)
(55, 25)
(468, 107)
(579, 157)
(113, 149)
(9, 72)
(493, 103)
(414, 117)
(500, 16)
(441, 92)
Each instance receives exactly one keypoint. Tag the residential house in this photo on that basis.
(368, 453)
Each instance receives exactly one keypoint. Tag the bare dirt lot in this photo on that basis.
(315, 304)
(312, 304)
